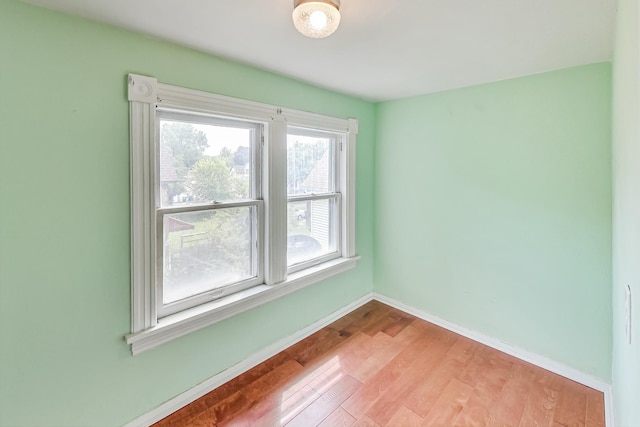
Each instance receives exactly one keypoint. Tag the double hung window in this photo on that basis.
(234, 203)
(208, 209)
(313, 199)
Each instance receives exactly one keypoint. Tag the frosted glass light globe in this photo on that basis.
(316, 19)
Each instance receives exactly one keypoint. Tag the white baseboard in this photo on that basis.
(610, 419)
(183, 399)
(533, 358)
(217, 380)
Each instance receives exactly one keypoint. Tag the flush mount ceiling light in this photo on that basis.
(316, 19)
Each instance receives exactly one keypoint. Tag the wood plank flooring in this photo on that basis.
(378, 367)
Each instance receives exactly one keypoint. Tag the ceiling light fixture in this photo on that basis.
(316, 19)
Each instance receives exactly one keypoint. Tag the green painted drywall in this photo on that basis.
(493, 211)
(626, 213)
(64, 222)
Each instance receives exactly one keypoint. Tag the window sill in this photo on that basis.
(179, 324)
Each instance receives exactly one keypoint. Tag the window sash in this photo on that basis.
(336, 140)
(307, 197)
(256, 253)
(335, 233)
(255, 145)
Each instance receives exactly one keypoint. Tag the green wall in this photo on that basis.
(493, 211)
(626, 213)
(64, 222)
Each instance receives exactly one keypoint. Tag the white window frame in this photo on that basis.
(255, 203)
(335, 195)
(146, 94)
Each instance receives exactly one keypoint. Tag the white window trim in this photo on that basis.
(334, 195)
(145, 93)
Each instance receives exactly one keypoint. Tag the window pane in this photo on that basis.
(206, 250)
(201, 163)
(310, 160)
(311, 230)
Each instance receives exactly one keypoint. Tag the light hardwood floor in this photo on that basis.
(379, 366)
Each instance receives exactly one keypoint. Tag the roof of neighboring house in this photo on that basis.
(168, 171)
(175, 224)
(318, 179)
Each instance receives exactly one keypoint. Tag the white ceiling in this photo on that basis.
(383, 49)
